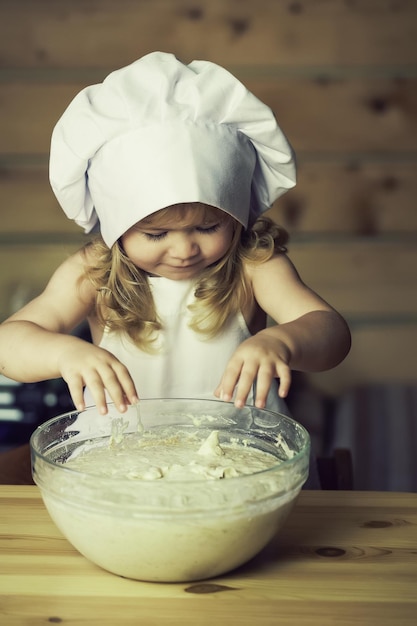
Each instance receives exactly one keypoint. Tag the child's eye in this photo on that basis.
(208, 229)
(155, 236)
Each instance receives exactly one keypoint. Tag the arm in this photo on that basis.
(36, 344)
(309, 335)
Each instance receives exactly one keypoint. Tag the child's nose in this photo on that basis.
(184, 246)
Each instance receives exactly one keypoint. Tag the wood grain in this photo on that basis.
(364, 276)
(381, 353)
(353, 195)
(265, 32)
(343, 557)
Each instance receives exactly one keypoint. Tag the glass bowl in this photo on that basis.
(200, 521)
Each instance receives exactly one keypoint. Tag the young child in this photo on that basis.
(173, 165)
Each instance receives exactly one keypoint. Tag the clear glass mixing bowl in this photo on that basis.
(169, 530)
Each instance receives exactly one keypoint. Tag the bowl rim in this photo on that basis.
(281, 464)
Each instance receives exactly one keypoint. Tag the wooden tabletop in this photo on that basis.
(343, 558)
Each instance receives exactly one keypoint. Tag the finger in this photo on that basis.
(229, 380)
(96, 388)
(245, 384)
(263, 384)
(76, 390)
(110, 383)
(126, 383)
(284, 382)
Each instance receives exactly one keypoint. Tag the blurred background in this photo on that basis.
(341, 77)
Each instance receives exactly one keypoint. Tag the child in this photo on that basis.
(174, 165)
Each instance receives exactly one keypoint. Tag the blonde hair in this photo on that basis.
(124, 300)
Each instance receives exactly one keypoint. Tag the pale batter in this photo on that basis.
(170, 505)
(184, 456)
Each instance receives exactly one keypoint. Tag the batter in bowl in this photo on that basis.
(171, 456)
(170, 504)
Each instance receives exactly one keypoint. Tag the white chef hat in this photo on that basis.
(158, 133)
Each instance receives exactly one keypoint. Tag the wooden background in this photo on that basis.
(341, 76)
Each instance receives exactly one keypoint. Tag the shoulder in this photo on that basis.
(73, 267)
(66, 300)
(279, 266)
(69, 278)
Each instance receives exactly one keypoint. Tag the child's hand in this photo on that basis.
(260, 358)
(83, 364)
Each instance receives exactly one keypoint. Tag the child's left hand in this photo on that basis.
(313, 342)
(260, 358)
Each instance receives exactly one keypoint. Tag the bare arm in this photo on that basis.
(309, 335)
(36, 344)
(317, 336)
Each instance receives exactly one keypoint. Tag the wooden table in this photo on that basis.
(343, 558)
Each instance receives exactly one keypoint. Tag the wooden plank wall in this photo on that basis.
(341, 76)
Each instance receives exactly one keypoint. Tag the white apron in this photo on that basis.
(187, 365)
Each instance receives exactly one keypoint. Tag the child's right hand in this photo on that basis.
(36, 342)
(85, 365)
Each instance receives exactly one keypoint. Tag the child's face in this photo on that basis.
(180, 241)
